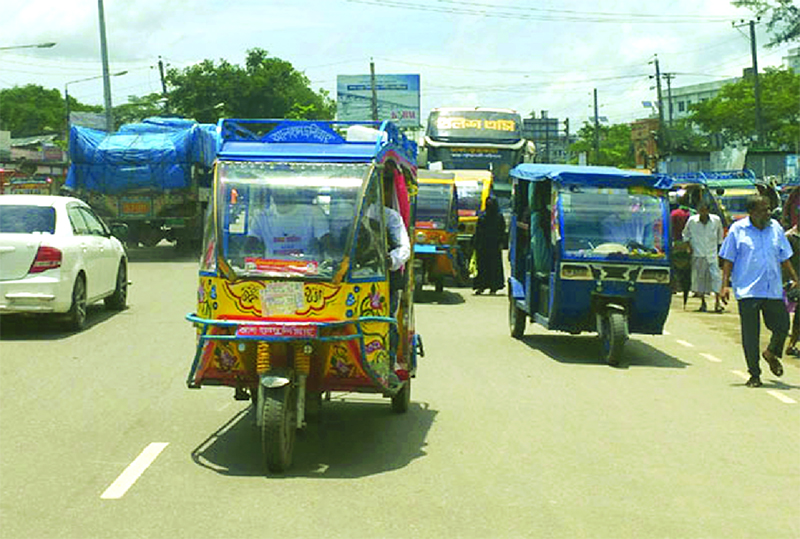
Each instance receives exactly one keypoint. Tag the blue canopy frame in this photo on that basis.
(589, 176)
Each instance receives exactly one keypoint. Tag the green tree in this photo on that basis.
(266, 87)
(616, 148)
(31, 110)
(731, 113)
(784, 18)
(139, 108)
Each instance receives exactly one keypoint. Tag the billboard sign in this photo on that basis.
(398, 98)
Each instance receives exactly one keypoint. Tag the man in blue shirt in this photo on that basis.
(753, 253)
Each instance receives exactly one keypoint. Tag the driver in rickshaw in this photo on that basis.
(630, 226)
(289, 226)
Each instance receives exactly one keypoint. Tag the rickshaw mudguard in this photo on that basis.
(517, 289)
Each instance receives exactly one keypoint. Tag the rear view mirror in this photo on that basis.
(119, 231)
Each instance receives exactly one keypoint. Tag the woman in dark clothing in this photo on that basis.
(488, 243)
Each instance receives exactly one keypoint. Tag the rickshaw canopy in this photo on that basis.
(312, 141)
(594, 176)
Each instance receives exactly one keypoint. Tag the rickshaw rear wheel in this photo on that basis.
(516, 318)
(614, 337)
(278, 426)
(402, 399)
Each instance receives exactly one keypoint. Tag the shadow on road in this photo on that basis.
(163, 252)
(41, 327)
(445, 298)
(352, 438)
(585, 349)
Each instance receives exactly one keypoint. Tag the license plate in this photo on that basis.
(136, 207)
(278, 330)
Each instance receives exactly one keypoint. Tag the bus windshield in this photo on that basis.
(287, 219)
(604, 222)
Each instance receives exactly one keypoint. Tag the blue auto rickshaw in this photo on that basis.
(589, 251)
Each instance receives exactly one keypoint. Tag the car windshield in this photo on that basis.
(19, 219)
(603, 222)
(433, 204)
(470, 195)
(287, 219)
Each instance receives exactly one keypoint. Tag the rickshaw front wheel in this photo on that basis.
(278, 426)
(516, 317)
(614, 335)
(402, 399)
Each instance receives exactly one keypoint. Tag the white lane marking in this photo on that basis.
(742, 375)
(711, 358)
(135, 469)
(684, 343)
(666, 333)
(781, 397)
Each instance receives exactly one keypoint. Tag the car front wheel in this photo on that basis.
(118, 300)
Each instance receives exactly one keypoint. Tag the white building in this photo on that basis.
(684, 96)
(792, 61)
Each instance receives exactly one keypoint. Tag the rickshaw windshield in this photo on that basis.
(433, 204)
(287, 219)
(612, 222)
(470, 197)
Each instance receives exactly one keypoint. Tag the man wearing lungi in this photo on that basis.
(704, 234)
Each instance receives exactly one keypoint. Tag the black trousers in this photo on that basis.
(775, 318)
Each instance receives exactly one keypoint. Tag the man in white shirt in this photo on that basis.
(288, 228)
(704, 233)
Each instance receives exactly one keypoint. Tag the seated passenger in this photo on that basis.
(629, 227)
(288, 228)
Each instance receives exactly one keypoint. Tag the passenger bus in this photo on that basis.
(478, 138)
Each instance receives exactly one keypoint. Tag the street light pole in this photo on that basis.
(66, 89)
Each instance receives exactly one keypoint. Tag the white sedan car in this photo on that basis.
(58, 256)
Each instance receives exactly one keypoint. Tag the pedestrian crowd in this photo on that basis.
(758, 260)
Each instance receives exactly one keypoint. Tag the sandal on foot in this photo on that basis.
(792, 351)
(774, 363)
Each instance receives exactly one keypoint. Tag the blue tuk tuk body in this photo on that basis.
(589, 251)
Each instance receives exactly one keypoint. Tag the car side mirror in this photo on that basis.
(119, 231)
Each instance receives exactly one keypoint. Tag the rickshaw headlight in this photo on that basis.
(654, 275)
(421, 237)
(575, 271)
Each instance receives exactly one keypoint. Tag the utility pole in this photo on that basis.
(106, 75)
(374, 90)
(566, 138)
(596, 131)
(756, 87)
(668, 77)
(662, 143)
(163, 84)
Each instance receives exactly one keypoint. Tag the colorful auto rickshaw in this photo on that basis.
(435, 231)
(474, 188)
(295, 298)
(589, 251)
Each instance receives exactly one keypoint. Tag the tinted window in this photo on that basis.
(76, 220)
(27, 219)
(93, 223)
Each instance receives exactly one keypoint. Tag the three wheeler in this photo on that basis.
(294, 297)
(693, 189)
(474, 188)
(435, 231)
(589, 251)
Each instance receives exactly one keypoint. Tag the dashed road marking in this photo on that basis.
(666, 333)
(134, 470)
(781, 397)
(711, 358)
(742, 375)
(685, 343)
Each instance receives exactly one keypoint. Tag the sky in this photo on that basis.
(528, 55)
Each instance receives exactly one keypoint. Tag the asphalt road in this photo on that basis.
(504, 438)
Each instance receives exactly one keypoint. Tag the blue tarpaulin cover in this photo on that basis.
(156, 154)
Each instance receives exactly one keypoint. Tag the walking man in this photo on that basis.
(704, 234)
(753, 253)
